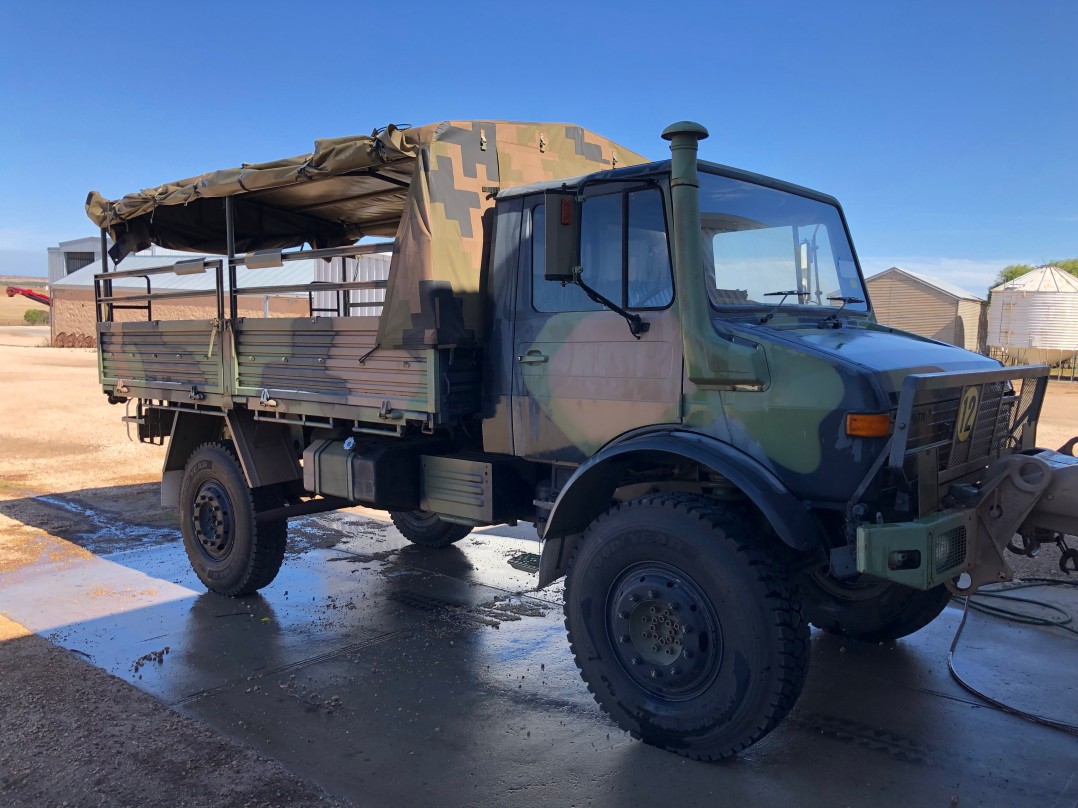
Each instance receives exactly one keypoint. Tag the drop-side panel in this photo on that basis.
(318, 366)
(160, 359)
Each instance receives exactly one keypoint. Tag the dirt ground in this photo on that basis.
(75, 729)
(1059, 418)
(13, 308)
(75, 734)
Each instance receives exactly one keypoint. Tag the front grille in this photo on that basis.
(992, 425)
(949, 427)
(950, 549)
(933, 423)
(1002, 416)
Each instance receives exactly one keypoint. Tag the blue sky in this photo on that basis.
(949, 131)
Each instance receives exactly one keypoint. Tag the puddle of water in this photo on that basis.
(106, 529)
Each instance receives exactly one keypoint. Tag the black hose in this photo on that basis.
(1020, 617)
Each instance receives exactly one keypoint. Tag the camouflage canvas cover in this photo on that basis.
(427, 186)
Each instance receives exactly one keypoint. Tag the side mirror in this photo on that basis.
(562, 235)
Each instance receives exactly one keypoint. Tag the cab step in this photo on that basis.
(525, 562)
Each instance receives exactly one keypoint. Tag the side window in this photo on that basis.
(623, 251)
(649, 273)
(601, 245)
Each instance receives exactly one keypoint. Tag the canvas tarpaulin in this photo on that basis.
(428, 186)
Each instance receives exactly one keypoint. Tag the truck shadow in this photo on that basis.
(119, 518)
(101, 520)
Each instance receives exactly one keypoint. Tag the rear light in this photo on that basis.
(868, 425)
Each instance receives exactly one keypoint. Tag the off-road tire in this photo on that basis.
(247, 554)
(720, 693)
(428, 529)
(869, 610)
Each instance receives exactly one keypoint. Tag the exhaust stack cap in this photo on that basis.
(685, 129)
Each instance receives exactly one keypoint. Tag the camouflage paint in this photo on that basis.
(461, 166)
(597, 383)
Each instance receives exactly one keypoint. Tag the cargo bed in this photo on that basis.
(297, 369)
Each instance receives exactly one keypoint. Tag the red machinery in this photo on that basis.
(30, 293)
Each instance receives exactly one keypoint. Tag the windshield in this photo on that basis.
(764, 247)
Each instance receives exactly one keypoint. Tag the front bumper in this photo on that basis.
(1034, 494)
(923, 553)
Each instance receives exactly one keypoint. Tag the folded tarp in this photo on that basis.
(428, 186)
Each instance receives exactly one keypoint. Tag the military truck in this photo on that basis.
(672, 368)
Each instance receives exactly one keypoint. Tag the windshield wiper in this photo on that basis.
(770, 314)
(831, 320)
(846, 300)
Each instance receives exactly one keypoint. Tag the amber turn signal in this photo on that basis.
(868, 425)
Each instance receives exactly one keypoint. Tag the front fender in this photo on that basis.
(588, 492)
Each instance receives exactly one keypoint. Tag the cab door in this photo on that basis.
(580, 376)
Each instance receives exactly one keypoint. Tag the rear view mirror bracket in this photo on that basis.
(637, 324)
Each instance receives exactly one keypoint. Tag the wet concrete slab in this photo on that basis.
(391, 674)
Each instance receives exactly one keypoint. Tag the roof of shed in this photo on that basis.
(946, 287)
(294, 272)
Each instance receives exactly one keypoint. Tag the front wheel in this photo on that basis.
(229, 549)
(869, 609)
(682, 626)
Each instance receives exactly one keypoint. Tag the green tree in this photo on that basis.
(1067, 265)
(1009, 273)
(36, 317)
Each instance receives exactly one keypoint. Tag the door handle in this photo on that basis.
(532, 357)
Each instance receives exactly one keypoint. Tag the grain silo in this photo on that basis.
(1034, 318)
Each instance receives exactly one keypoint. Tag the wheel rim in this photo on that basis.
(664, 632)
(212, 520)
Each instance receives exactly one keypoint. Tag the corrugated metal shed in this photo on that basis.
(1034, 318)
(70, 256)
(364, 268)
(73, 296)
(930, 307)
(294, 272)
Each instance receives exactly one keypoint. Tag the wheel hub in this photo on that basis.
(665, 632)
(212, 519)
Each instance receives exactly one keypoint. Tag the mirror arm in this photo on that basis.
(637, 325)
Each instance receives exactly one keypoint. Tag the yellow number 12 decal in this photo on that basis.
(967, 414)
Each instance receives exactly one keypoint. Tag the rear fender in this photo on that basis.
(189, 431)
(264, 449)
(588, 492)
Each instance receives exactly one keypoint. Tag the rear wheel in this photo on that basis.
(869, 609)
(682, 626)
(229, 549)
(427, 528)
